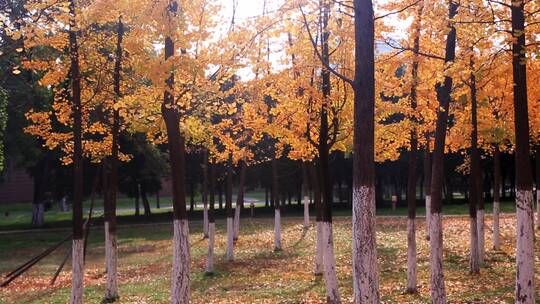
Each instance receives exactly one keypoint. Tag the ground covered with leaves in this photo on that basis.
(259, 275)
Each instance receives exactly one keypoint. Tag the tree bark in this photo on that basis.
(77, 277)
(318, 220)
(277, 205)
(525, 287)
(146, 203)
(171, 116)
(438, 292)
(427, 182)
(228, 207)
(475, 181)
(537, 160)
(305, 192)
(239, 199)
(111, 251)
(211, 222)
(365, 266)
(204, 193)
(496, 197)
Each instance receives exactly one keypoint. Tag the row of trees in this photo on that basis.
(170, 69)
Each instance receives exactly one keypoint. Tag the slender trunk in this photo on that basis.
(277, 205)
(525, 287)
(157, 200)
(411, 180)
(228, 207)
(171, 116)
(305, 192)
(365, 266)
(204, 193)
(111, 254)
(496, 197)
(137, 196)
(438, 291)
(475, 190)
(427, 183)
(537, 186)
(77, 247)
(239, 199)
(266, 202)
(220, 196)
(146, 203)
(211, 222)
(192, 196)
(318, 220)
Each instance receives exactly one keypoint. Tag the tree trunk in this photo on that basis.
(318, 220)
(365, 268)
(77, 277)
(427, 183)
(537, 186)
(137, 196)
(525, 289)
(192, 196)
(220, 196)
(146, 204)
(111, 251)
(305, 192)
(277, 205)
(239, 199)
(438, 292)
(475, 181)
(171, 116)
(496, 197)
(211, 222)
(228, 207)
(412, 178)
(204, 193)
(157, 200)
(266, 202)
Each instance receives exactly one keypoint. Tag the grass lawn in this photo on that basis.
(258, 275)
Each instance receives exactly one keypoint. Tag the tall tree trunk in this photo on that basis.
(204, 193)
(77, 276)
(111, 251)
(318, 219)
(475, 181)
(239, 199)
(228, 207)
(220, 196)
(427, 182)
(438, 292)
(211, 222)
(192, 195)
(305, 192)
(137, 197)
(171, 116)
(412, 178)
(266, 202)
(277, 205)
(146, 203)
(496, 197)
(365, 269)
(329, 259)
(525, 287)
(157, 200)
(537, 160)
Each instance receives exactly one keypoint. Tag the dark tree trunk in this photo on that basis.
(77, 258)
(239, 199)
(525, 289)
(277, 205)
(157, 200)
(220, 196)
(365, 269)
(146, 204)
(229, 210)
(191, 196)
(443, 90)
(496, 197)
(204, 192)
(266, 202)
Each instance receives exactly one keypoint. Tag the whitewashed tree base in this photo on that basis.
(329, 262)
(277, 230)
(180, 271)
(306, 212)
(496, 227)
(365, 266)
(77, 271)
(480, 215)
(205, 221)
(111, 265)
(525, 287)
(411, 256)
(474, 254)
(230, 239)
(319, 250)
(209, 269)
(438, 290)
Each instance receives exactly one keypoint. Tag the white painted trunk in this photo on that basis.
(111, 265)
(496, 225)
(230, 239)
(77, 272)
(411, 255)
(330, 277)
(277, 229)
(480, 215)
(438, 290)
(319, 253)
(205, 221)
(236, 222)
(365, 267)
(306, 212)
(180, 272)
(211, 240)
(524, 248)
(538, 208)
(474, 254)
(428, 215)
